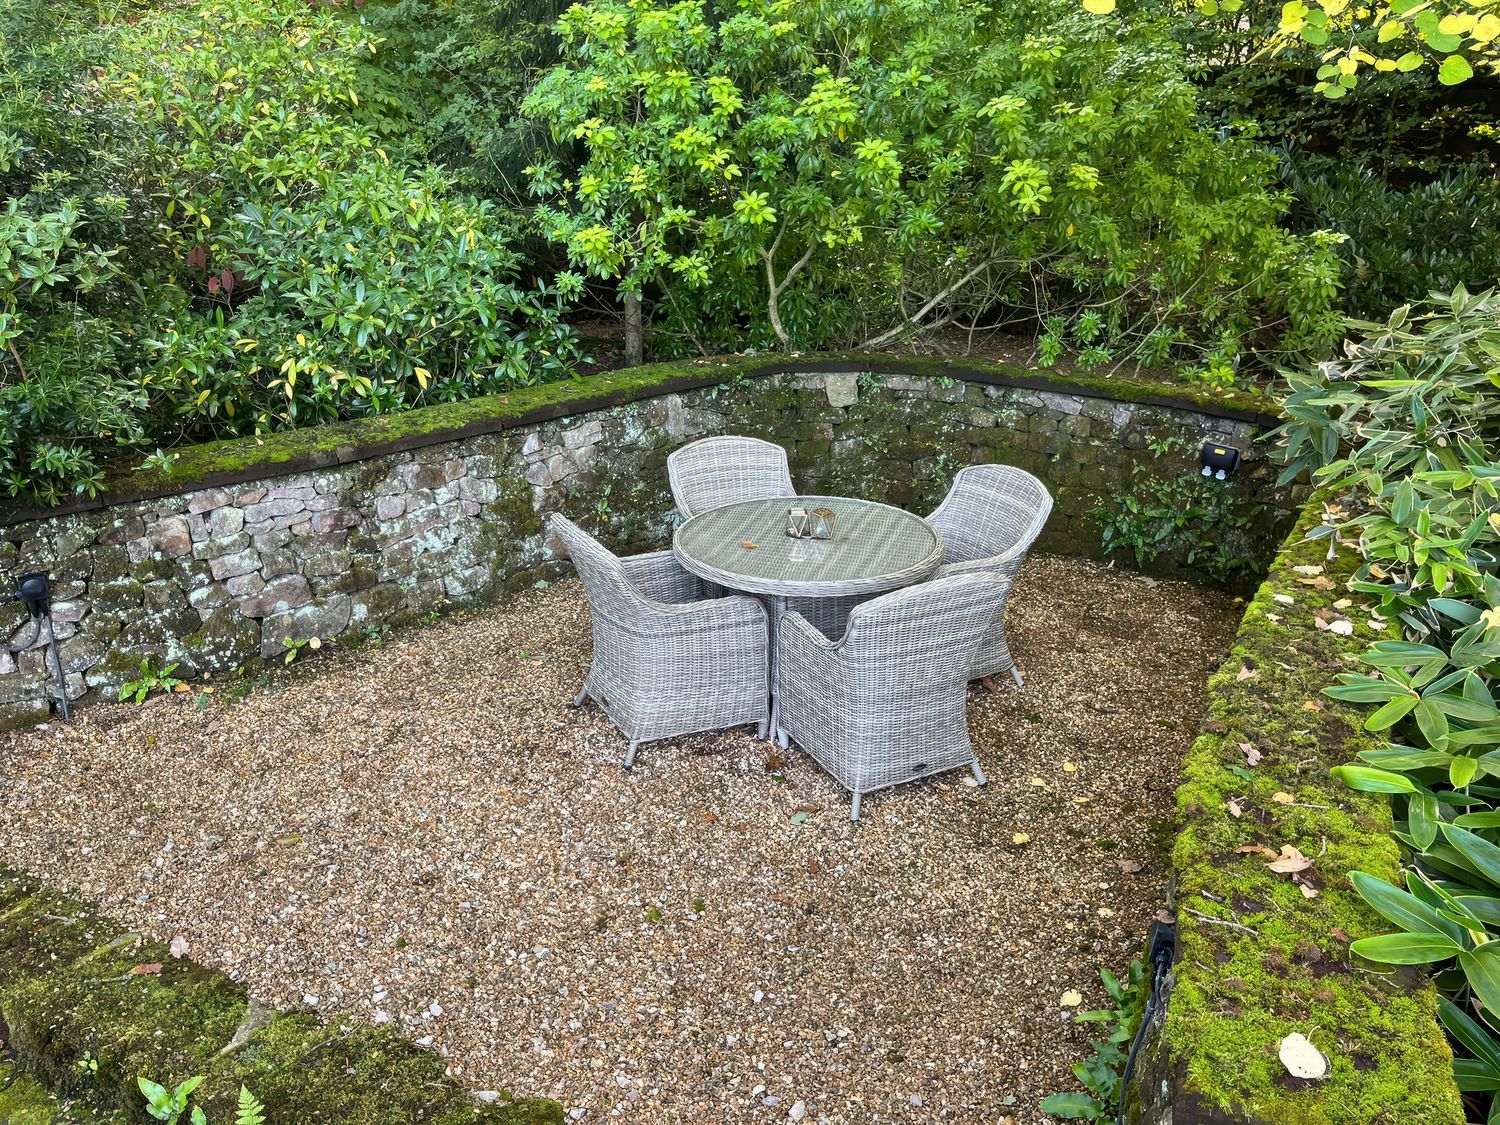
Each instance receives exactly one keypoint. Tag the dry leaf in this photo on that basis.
(1020, 838)
(1246, 672)
(749, 546)
(1071, 998)
(1252, 755)
(774, 762)
(1038, 783)
(1312, 705)
(1274, 618)
(1290, 861)
(1308, 569)
(1301, 1058)
(1069, 767)
(1343, 603)
(146, 970)
(1308, 891)
(179, 946)
(1285, 599)
(1341, 628)
(1282, 798)
(1128, 866)
(1234, 809)
(1256, 849)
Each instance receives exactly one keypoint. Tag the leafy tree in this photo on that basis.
(805, 173)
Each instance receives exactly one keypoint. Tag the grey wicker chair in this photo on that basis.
(665, 662)
(712, 472)
(886, 703)
(987, 522)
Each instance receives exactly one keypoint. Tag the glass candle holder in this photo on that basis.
(797, 522)
(820, 523)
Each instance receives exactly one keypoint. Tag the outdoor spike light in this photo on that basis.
(34, 591)
(1219, 460)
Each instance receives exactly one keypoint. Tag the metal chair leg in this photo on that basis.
(1015, 674)
(854, 808)
(630, 755)
(583, 696)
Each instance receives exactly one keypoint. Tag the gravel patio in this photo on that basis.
(422, 831)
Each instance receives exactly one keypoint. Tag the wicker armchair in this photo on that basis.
(987, 522)
(712, 472)
(885, 704)
(665, 662)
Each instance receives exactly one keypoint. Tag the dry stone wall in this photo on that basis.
(216, 578)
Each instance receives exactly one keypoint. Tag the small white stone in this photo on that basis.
(434, 1009)
(310, 999)
(798, 1110)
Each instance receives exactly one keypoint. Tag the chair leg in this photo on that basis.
(583, 696)
(854, 807)
(978, 773)
(630, 755)
(763, 729)
(1015, 674)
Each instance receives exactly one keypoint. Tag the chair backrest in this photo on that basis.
(608, 589)
(990, 510)
(925, 632)
(712, 472)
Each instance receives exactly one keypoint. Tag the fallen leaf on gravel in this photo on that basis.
(1129, 866)
(1301, 1058)
(1038, 782)
(774, 762)
(1290, 861)
(1082, 800)
(182, 689)
(749, 546)
(798, 817)
(289, 838)
(1069, 767)
(1071, 998)
(1245, 673)
(179, 946)
(1234, 809)
(1252, 755)
(808, 808)
(146, 970)
(1257, 849)
(1283, 798)
(1020, 838)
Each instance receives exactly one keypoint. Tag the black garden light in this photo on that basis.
(34, 591)
(1219, 460)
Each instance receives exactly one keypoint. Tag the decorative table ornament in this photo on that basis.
(820, 523)
(796, 522)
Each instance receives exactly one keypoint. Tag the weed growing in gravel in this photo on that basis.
(169, 1105)
(1101, 1072)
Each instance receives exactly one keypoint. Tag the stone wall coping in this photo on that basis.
(240, 460)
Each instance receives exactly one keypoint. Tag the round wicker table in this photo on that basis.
(874, 548)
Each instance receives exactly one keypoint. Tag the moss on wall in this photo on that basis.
(1261, 959)
(339, 442)
(87, 1023)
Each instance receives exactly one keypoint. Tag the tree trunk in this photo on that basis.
(635, 350)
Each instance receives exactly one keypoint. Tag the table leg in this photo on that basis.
(778, 611)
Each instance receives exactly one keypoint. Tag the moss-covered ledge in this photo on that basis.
(1259, 958)
(87, 1011)
(237, 460)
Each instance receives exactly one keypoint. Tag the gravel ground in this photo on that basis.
(425, 832)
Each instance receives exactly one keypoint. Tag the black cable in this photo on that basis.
(1163, 945)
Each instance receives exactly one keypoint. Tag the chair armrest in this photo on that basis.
(661, 578)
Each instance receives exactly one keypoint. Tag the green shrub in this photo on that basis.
(1408, 425)
(1428, 237)
(772, 179)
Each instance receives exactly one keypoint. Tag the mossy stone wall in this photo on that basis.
(335, 531)
(1260, 956)
(85, 1022)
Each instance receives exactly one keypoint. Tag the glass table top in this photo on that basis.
(875, 547)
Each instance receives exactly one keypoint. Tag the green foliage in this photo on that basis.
(1435, 235)
(1170, 510)
(151, 679)
(169, 1105)
(776, 174)
(1101, 1073)
(1408, 427)
(279, 261)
